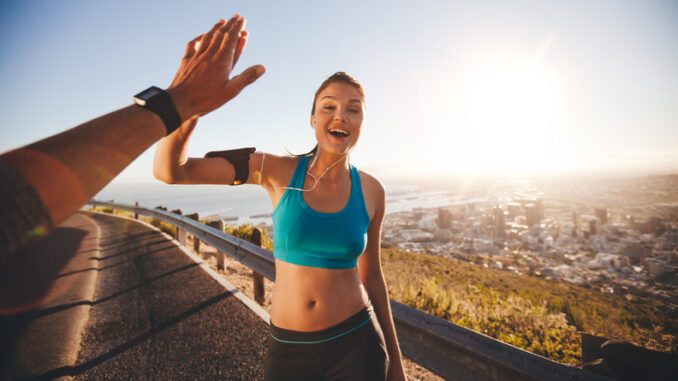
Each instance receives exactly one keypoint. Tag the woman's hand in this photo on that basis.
(202, 83)
(396, 371)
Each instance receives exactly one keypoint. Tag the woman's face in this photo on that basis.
(338, 117)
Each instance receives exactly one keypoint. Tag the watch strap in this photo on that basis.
(161, 104)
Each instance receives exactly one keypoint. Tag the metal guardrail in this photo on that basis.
(447, 349)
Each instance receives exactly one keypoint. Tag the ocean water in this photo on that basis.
(242, 204)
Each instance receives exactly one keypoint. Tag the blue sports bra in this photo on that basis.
(306, 237)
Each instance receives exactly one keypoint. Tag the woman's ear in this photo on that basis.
(312, 121)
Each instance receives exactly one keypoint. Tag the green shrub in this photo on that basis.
(101, 209)
(244, 231)
(164, 226)
(511, 319)
(117, 212)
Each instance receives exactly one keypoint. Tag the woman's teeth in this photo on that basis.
(338, 133)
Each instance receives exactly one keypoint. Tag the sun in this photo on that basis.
(513, 109)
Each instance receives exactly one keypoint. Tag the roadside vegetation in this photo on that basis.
(532, 313)
(244, 231)
(160, 224)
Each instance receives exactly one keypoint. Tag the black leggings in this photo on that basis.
(351, 350)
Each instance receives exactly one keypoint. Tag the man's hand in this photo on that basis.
(203, 81)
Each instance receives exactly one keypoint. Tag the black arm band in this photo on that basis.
(240, 158)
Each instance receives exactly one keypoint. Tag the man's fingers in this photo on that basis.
(207, 38)
(221, 34)
(239, 82)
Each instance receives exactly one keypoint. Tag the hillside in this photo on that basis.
(532, 313)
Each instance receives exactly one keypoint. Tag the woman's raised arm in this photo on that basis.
(217, 50)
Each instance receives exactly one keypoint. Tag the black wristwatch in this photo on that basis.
(157, 100)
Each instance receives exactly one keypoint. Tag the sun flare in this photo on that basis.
(514, 110)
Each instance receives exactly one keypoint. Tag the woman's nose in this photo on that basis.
(340, 114)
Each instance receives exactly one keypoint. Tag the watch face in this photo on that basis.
(143, 97)
(151, 92)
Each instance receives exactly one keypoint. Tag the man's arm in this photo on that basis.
(69, 168)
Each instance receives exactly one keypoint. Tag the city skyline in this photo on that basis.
(453, 89)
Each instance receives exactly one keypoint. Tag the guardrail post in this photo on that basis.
(221, 257)
(221, 226)
(258, 279)
(196, 241)
(136, 215)
(181, 233)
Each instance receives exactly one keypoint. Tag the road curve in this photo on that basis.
(155, 314)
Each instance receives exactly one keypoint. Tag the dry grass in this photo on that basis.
(532, 313)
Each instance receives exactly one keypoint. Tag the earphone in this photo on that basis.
(315, 180)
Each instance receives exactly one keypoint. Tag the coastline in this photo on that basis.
(251, 204)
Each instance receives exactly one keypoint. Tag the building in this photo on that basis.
(469, 208)
(635, 252)
(601, 214)
(594, 225)
(655, 226)
(575, 221)
(532, 212)
(483, 246)
(540, 208)
(415, 235)
(514, 209)
(444, 218)
(428, 223)
(499, 225)
(656, 268)
(442, 235)
(610, 260)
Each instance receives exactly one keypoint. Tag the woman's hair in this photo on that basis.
(338, 77)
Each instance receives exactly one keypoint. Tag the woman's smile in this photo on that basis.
(338, 117)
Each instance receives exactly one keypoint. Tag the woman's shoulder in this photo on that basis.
(278, 169)
(372, 187)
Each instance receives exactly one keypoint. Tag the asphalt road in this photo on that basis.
(155, 314)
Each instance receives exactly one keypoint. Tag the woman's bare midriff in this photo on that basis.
(311, 299)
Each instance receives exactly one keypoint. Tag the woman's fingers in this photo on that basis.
(193, 46)
(228, 45)
(242, 42)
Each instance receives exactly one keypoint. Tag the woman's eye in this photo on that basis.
(355, 110)
(329, 107)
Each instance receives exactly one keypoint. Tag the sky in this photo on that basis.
(453, 88)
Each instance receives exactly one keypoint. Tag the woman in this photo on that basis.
(330, 313)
